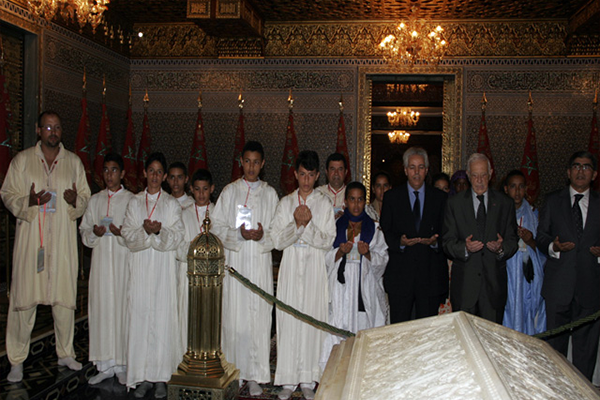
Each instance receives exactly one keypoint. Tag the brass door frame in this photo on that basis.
(452, 136)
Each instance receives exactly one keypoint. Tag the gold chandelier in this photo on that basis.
(77, 11)
(403, 116)
(414, 41)
(399, 137)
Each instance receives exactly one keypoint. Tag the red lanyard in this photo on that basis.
(152, 212)
(247, 194)
(40, 225)
(198, 216)
(111, 195)
(334, 192)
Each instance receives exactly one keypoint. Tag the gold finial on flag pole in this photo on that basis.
(104, 88)
(146, 100)
(199, 98)
(341, 103)
(483, 103)
(84, 87)
(240, 101)
(290, 100)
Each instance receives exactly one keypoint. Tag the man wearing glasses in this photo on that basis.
(569, 234)
(46, 190)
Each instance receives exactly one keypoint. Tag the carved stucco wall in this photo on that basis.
(562, 92)
(65, 56)
(173, 90)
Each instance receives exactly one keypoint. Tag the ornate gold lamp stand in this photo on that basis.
(204, 372)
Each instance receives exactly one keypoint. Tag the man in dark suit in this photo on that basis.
(411, 220)
(569, 234)
(480, 234)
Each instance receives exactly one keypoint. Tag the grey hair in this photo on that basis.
(478, 157)
(415, 151)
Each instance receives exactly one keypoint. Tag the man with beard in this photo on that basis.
(46, 190)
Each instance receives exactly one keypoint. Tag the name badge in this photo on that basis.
(300, 243)
(106, 221)
(51, 205)
(40, 260)
(244, 216)
(354, 255)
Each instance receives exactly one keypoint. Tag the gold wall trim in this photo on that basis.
(452, 136)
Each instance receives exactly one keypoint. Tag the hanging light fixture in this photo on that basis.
(81, 12)
(399, 137)
(403, 116)
(414, 41)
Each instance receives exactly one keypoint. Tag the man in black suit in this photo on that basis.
(411, 220)
(569, 234)
(480, 234)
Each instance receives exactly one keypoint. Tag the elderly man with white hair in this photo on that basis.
(480, 234)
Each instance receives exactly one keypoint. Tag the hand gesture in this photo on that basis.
(152, 226)
(39, 198)
(564, 246)
(246, 233)
(257, 234)
(404, 241)
(114, 230)
(99, 230)
(496, 245)
(473, 246)
(70, 195)
(430, 241)
(527, 236)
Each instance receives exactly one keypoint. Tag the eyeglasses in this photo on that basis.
(582, 167)
(50, 128)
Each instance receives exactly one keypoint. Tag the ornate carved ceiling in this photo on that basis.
(586, 11)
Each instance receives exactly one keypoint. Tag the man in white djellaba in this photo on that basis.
(355, 267)
(304, 228)
(152, 230)
(101, 231)
(241, 220)
(46, 190)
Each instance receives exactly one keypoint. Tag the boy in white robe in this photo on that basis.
(101, 231)
(193, 219)
(355, 267)
(177, 179)
(304, 228)
(153, 231)
(241, 220)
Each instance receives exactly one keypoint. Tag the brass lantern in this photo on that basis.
(204, 367)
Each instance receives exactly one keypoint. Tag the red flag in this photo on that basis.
(82, 142)
(143, 152)
(237, 171)
(341, 146)
(594, 146)
(529, 164)
(103, 147)
(198, 157)
(290, 152)
(483, 144)
(5, 116)
(129, 156)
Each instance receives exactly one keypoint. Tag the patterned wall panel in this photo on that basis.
(360, 39)
(172, 133)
